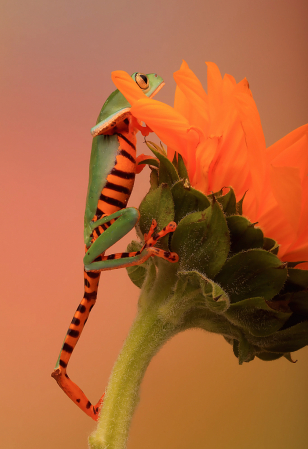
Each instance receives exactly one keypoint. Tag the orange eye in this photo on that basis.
(142, 80)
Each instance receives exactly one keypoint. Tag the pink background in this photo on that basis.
(55, 75)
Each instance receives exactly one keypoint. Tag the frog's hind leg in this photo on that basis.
(81, 315)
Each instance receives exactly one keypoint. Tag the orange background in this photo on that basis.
(55, 75)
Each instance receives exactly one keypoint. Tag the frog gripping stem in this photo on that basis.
(151, 238)
(91, 281)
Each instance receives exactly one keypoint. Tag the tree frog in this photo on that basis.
(113, 166)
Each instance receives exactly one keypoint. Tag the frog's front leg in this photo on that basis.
(126, 219)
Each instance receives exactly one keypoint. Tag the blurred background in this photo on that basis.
(56, 60)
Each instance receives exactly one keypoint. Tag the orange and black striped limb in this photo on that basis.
(81, 315)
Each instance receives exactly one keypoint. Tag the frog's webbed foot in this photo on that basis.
(151, 238)
(76, 394)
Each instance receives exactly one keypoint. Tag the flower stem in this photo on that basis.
(147, 335)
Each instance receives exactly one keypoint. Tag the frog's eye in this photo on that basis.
(142, 80)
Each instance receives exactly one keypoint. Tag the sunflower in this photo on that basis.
(220, 137)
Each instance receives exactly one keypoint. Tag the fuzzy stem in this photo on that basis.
(147, 335)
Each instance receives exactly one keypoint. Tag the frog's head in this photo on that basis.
(116, 108)
(150, 84)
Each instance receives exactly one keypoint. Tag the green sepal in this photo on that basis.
(255, 317)
(183, 298)
(296, 302)
(298, 277)
(167, 171)
(149, 161)
(182, 171)
(268, 356)
(243, 234)
(227, 201)
(136, 273)
(243, 350)
(287, 340)
(239, 205)
(280, 303)
(175, 160)
(293, 264)
(289, 357)
(254, 273)
(202, 241)
(158, 204)
(213, 296)
(154, 182)
(270, 245)
(187, 200)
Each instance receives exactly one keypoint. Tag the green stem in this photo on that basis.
(146, 336)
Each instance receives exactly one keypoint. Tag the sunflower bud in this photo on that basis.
(229, 279)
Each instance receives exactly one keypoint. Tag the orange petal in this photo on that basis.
(230, 166)
(204, 156)
(254, 140)
(181, 103)
(214, 79)
(285, 142)
(227, 88)
(295, 155)
(127, 86)
(297, 252)
(170, 126)
(170, 153)
(228, 84)
(302, 266)
(195, 138)
(243, 87)
(286, 187)
(192, 88)
(303, 226)
(214, 89)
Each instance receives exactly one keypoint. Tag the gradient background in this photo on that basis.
(55, 75)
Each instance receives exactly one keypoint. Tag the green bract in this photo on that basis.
(229, 279)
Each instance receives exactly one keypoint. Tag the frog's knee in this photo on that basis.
(132, 214)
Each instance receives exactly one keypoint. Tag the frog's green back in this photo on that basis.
(103, 159)
(114, 104)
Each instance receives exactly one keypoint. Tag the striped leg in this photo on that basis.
(91, 279)
(151, 238)
(79, 320)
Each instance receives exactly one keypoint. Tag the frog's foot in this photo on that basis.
(138, 124)
(98, 407)
(151, 238)
(76, 394)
